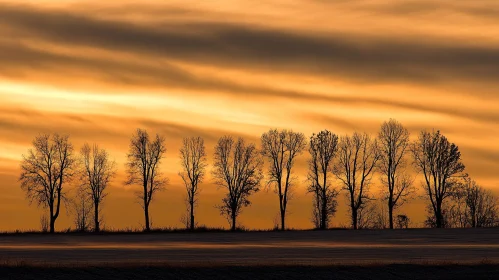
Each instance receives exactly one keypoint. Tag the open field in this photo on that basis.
(343, 254)
(403, 272)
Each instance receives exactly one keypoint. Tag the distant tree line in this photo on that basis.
(337, 164)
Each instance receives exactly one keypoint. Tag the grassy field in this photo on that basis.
(341, 254)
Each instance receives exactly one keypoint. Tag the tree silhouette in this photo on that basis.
(238, 169)
(403, 221)
(144, 159)
(281, 149)
(98, 171)
(476, 207)
(81, 206)
(44, 223)
(322, 148)
(193, 161)
(372, 215)
(393, 144)
(440, 162)
(357, 159)
(45, 170)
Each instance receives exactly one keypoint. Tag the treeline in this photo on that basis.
(346, 164)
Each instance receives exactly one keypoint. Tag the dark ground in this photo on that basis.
(259, 272)
(340, 254)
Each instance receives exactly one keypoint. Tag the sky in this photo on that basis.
(98, 70)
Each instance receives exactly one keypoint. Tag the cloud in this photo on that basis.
(173, 61)
(21, 126)
(358, 58)
(484, 8)
(17, 59)
(364, 59)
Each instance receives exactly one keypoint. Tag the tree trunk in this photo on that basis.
(324, 212)
(53, 216)
(96, 217)
(146, 215)
(282, 209)
(439, 216)
(390, 213)
(233, 228)
(146, 207)
(283, 219)
(52, 224)
(192, 215)
(354, 218)
(52, 220)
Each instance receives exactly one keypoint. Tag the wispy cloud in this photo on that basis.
(183, 68)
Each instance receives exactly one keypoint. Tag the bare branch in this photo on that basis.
(440, 163)
(357, 157)
(45, 170)
(281, 149)
(323, 148)
(393, 145)
(238, 169)
(98, 170)
(144, 159)
(193, 162)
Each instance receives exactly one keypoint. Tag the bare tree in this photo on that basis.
(440, 162)
(281, 149)
(322, 149)
(403, 221)
(238, 168)
(372, 215)
(82, 208)
(193, 160)
(357, 159)
(98, 171)
(478, 206)
(44, 223)
(185, 218)
(393, 144)
(45, 170)
(144, 159)
(319, 219)
(451, 216)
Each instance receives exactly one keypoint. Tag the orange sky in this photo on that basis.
(208, 68)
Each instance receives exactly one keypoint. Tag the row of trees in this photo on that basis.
(471, 206)
(52, 163)
(346, 163)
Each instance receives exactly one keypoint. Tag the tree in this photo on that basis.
(238, 169)
(479, 207)
(98, 171)
(323, 148)
(324, 208)
(450, 217)
(144, 159)
(403, 221)
(82, 208)
(193, 161)
(355, 167)
(45, 170)
(44, 223)
(372, 215)
(281, 149)
(393, 144)
(440, 163)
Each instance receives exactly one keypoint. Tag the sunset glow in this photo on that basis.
(98, 71)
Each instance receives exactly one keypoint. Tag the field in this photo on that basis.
(338, 254)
